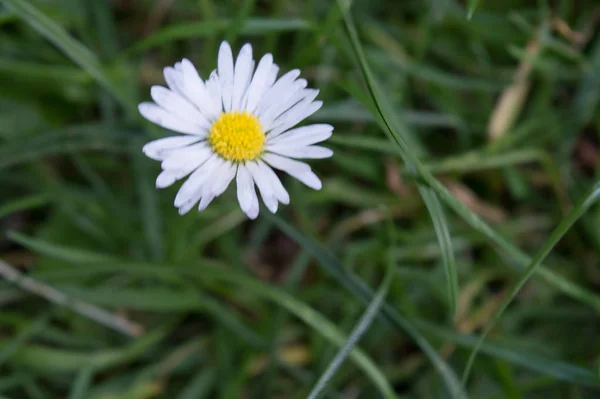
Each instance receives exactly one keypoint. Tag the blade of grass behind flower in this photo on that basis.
(392, 128)
(558, 233)
(76, 51)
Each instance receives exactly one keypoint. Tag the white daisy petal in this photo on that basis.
(285, 164)
(280, 192)
(305, 135)
(184, 162)
(299, 170)
(254, 207)
(295, 104)
(172, 78)
(310, 179)
(226, 175)
(196, 180)
(272, 77)
(213, 186)
(158, 149)
(213, 86)
(264, 186)
(242, 74)
(295, 116)
(196, 91)
(192, 201)
(259, 81)
(178, 105)
(311, 151)
(286, 99)
(225, 68)
(161, 117)
(273, 95)
(166, 178)
(245, 189)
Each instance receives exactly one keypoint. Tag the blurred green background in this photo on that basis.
(461, 193)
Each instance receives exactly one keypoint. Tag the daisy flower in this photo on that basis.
(239, 123)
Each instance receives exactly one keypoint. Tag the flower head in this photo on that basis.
(239, 123)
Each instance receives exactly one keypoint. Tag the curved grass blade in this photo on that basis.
(211, 28)
(80, 54)
(472, 7)
(556, 236)
(304, 312)
(563, 371)
(358, 287)
(443, 236)
(392, 128)
(361, 327)
(25, 203)
(311, 317)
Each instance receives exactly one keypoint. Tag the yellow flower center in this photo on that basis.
(237, 136)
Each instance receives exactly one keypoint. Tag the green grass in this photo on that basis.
(438, 261)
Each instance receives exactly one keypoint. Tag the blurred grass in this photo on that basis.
(234, 309)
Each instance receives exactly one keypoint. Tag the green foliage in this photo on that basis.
(466, 141)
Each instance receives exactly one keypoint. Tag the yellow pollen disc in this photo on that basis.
(237, 136)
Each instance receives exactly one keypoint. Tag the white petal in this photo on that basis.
(245, 190)
(184, 162)
(298, 102)
(194, 183)
(226, 175)
(225, 68)
(259, 82)
(305, 135)
(310, 179)
(309, 152)
(163, 118)
(165, 179)
(213, 86)
(158, 149)
(280, 192)
(273, 95)
(193, 200)
(178, 105)
(195, 90)
(207, 188)
(285, 164)
(295, 116)
(282, 102)
(241, 76)
(206, 199)
(254, 206)
(299, 170)
(272, 77)
(264, 186)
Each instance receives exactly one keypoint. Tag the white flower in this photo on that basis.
(237, 124)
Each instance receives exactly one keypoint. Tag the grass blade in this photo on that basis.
(361, 327)
(392, 127)
(211, 28)
(443, 236)
(358, 287)
(556, 236)
(76, 51)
